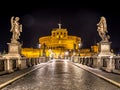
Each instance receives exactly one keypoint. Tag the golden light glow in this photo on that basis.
(57, 44)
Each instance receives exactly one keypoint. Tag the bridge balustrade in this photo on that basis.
(8, 65)
(14, 63)
(2, 67)
(104, 61)
(107, 63)
(117, 63)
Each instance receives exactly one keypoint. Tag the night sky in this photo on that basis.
(80, 19)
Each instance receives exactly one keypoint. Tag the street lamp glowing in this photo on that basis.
(39, 45)
(79, 45)
(66, 54)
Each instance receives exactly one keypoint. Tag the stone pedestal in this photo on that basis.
(14, 52)
(105, 51)
(14, 48)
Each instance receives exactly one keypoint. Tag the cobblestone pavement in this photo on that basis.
(60, 75)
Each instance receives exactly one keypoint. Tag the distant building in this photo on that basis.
(30, 52)
(59, 42)
(94, 48)
(58, 45)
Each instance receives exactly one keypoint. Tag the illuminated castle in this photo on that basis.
(59, 42)
(58, 45)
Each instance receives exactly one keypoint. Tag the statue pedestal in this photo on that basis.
(105, 49)
(13, 57)
(14, 48)
(105, 55)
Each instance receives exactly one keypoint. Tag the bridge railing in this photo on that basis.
(107, 63)
(8, 65)
(2, 64)
(117, 62)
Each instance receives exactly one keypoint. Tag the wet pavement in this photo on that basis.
(60, 75)
(11, 77)
(113, 78)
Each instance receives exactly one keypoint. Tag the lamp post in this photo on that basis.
(74, 49)
(44, 47)
(79, 45)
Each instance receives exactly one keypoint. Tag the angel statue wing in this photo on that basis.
(104, 24)
(12, 23)
(20, 27)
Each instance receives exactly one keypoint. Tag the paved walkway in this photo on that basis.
(110, 77)
(9, 78)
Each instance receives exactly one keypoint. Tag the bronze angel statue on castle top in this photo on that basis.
(16, 28)
(102, 29)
